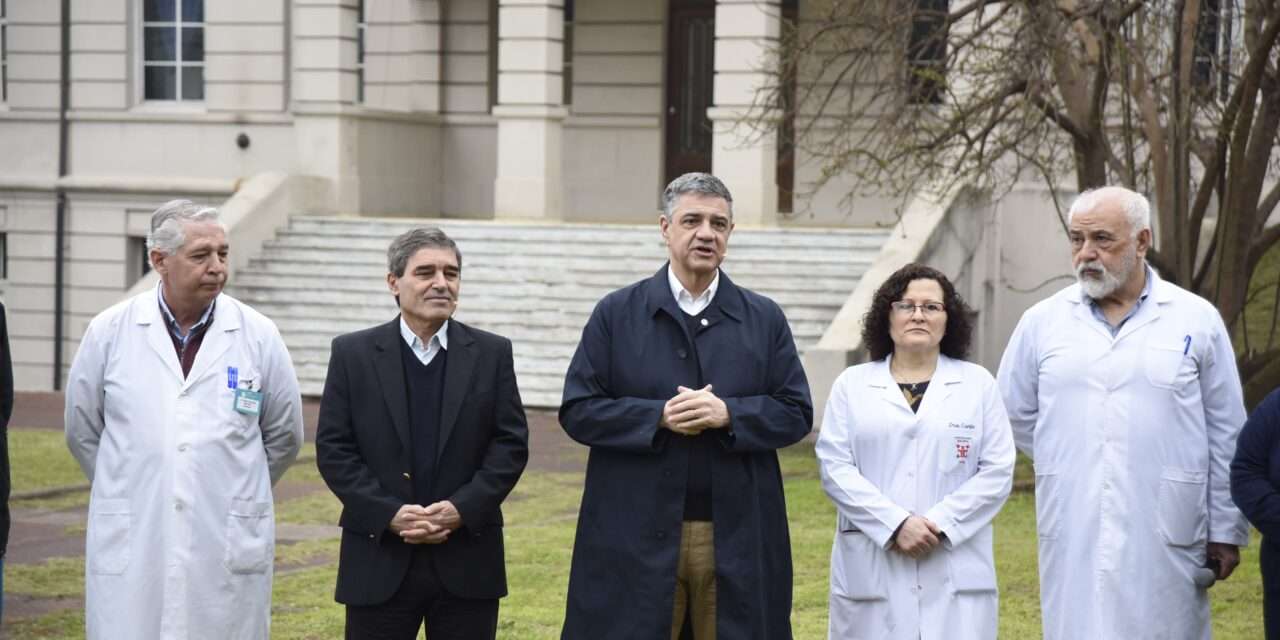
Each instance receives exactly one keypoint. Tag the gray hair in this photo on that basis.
(703, 184)
(168, 223)
(1137, 210)
(413, 240)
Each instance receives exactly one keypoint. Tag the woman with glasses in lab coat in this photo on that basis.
(917, 454)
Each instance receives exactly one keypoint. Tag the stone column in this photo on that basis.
(530, 109)
(324, 88)
(747, 32)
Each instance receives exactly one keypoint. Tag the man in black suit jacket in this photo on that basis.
(421, 436)
(6, 410)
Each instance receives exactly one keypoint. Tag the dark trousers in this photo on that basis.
(421, 598)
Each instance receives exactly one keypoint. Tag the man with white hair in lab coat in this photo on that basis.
(1123, 390)
(182, 410)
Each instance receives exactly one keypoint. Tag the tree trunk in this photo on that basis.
(1091, 163)
(1261, 382)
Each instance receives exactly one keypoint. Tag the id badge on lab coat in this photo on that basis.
(247, 402)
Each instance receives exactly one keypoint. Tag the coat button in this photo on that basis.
(682, 353)
(661, 535)
(406, 475)
(372, 536)
(704, 322)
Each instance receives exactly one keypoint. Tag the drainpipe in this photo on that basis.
(60, 234)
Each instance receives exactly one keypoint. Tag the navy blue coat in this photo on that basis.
(1255, 487)
(635, 350)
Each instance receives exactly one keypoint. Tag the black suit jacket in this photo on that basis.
(363, 452)
(6, 410)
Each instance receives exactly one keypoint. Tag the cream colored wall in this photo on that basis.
(468, 134)
(400, 167)
(402, 60)
(180, 146)
(466, 183)
(27, 219)
(466, 58)
(100, 73)
(613, 136)
(245, 56)
(126, 156)
(33, 55)
(99, 226)
(115, 133)
(612, 172)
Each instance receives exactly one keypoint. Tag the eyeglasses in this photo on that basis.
(909, 309)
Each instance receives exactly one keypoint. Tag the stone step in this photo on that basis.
(382, 230)
(330, 249)
(294, 275)
(507, 299)
(620, 270)
(536, 284)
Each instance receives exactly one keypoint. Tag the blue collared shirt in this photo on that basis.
(1101, 317)
(176, 330)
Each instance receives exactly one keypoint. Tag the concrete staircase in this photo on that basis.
(535, 284)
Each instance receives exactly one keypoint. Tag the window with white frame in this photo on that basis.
(173, 50)
(927, 52)
(362, 25)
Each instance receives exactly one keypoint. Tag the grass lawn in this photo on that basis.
(539, 536)
(52, 465)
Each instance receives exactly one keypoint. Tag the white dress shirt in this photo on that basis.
(426, 353)
(689, 304)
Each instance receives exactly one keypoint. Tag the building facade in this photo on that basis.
(577, 110)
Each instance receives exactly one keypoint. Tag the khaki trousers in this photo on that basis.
(696, 581)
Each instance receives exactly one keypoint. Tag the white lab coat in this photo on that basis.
(181, 532)
(952, 463)
(1131, 438)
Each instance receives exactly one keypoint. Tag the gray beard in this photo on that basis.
(1108, 283)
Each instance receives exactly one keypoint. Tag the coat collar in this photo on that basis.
(457, 379)
(945, 379)
(390, 372)
(728, 301)
(216, 341)
(1162, 293)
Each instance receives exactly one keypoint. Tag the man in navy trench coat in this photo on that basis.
(1255, 488)
(684, 386)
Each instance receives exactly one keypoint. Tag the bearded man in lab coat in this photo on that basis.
(182, 410)
(1123, 390)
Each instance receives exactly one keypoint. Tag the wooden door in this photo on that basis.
(691, 41)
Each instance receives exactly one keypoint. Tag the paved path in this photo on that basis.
(38, 535)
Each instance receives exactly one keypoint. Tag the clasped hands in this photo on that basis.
(692, 411)
(431, 524)
(917, 537)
